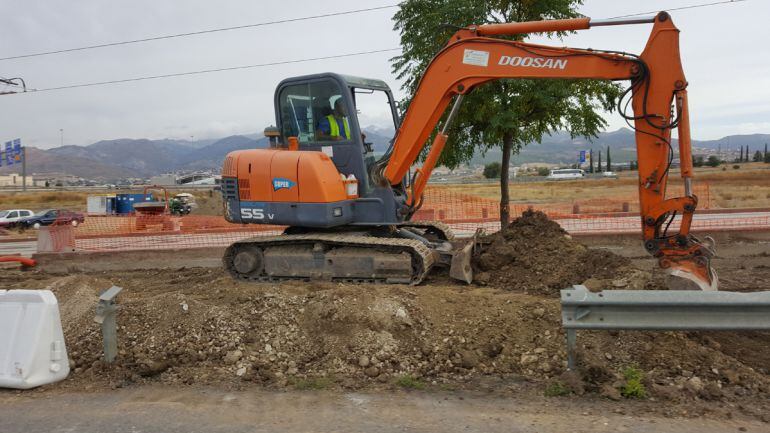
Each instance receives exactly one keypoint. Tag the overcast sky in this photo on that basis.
(723, 48)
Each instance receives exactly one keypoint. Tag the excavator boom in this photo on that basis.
(471, 59)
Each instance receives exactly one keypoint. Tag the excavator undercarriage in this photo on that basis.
(400, 254)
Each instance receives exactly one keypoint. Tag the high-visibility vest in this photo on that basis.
(334, 127)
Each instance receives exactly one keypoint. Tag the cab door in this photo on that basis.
(306, 110)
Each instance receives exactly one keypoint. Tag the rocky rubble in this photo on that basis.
(214, 330)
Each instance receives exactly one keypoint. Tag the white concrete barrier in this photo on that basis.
(32, 351)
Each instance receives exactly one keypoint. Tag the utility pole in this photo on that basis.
(61, 134)
(24, 168)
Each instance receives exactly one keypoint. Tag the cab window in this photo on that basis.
(13, 214)
(314, 112)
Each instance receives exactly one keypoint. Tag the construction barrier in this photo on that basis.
(463, 212)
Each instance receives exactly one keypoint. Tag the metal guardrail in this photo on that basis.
(660, 310)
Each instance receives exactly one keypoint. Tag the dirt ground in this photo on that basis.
(155, 408)
(197, 327)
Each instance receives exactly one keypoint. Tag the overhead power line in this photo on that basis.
(208, 71)
(288, 20)
(701, 5)
(200, 32)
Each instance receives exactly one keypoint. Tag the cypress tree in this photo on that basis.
(609, 160)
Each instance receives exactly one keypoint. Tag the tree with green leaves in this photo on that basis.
(698, 161)
(506, 114)
(609, 159)
(757, 156)
(492, 170)
(591, 161)
(713, 161)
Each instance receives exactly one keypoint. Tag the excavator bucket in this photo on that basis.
(693, 273)
(460, 268)
(681, 279)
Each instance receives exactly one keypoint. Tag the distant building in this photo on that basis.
(163, 180)
(14, 179)
(55, 179)
(211, 180)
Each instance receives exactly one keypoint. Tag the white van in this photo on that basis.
(9, 218)
(566, 173)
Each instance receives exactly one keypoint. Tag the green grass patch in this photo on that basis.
(557, 389)
(313, 384)
(633, 388)
(409, 382)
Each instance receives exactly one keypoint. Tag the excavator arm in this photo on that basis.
(659, 101)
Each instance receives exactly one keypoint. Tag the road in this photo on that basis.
(155, 409)
(26, 248)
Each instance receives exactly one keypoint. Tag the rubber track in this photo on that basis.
(422, 257)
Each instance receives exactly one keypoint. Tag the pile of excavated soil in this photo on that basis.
(535, 254)
(199, 327)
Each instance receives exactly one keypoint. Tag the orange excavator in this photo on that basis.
(349, 211)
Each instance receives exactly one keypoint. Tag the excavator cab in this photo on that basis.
(305, 108)
(321, 174)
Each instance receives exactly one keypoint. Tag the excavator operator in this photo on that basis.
(335, 126)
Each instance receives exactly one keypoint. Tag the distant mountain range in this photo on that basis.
(560, 148)
(124, 158)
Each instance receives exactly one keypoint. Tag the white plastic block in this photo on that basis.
(32, 350)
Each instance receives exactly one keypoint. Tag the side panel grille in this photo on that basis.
(229, 188)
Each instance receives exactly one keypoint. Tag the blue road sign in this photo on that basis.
(9, 153)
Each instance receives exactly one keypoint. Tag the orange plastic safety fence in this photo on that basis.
(463, 212)
(132, 232)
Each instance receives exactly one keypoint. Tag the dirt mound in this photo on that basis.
(197, 326)
(535, 254)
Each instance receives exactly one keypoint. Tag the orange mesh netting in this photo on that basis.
(463, 212)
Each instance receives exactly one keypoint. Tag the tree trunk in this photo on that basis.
(505, 197)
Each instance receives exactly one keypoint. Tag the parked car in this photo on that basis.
(9, 218)
(49, 216)
(566, 173)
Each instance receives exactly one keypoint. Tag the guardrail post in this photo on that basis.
(105, 316)
(571, 343)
